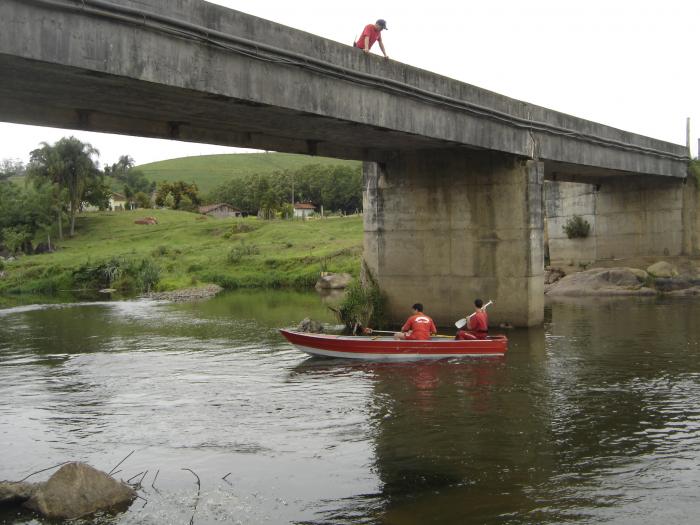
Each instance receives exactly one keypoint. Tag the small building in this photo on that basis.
(303, 209)
(220, 210)
(117, 201)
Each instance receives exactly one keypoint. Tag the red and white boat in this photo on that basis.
(381, 348)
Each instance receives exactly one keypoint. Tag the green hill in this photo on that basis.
(187, 250)
(209, 171)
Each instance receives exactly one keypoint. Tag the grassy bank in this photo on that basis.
(185, 249)
(210, 171)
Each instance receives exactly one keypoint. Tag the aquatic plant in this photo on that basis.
(364, 303)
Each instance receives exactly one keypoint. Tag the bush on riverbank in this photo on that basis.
(363, 304)
(182, 250)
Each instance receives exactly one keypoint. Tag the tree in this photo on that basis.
(120, 169)
(69, 166)
(11, 168)
(24, 213)
(142, 200)
(137, 182)
(177, 191)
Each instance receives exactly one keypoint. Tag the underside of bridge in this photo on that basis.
(453, 173)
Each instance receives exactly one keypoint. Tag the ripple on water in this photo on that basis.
(582, 422)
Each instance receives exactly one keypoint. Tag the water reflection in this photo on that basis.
(592, 418)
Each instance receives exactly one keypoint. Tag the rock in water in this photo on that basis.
(600, 281)
(662, 269)
(15, 492)
(77, 489)
(310, 326)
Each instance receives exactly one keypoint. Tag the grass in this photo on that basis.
(189, 250)
(210, 171)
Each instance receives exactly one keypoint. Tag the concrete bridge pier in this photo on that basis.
(443, 227)
(630, 217)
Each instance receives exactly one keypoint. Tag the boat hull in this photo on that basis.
(372, 348)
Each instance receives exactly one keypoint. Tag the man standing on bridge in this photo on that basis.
(371, 34)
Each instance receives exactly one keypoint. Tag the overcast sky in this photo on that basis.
(634, 65)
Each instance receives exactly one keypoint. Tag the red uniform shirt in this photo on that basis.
(479, 324)
(420, 325)
(373, 35)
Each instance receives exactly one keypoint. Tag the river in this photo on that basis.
(593, 418)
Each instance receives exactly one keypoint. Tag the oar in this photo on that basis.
(462, 322)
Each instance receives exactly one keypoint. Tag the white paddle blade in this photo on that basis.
(461, 323)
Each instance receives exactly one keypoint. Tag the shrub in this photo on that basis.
(141, 275)
(577, 227)
(160, 251)
(148, 275)
(364, 303)
(238, 252)
(242, 227)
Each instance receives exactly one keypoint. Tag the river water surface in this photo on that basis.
(594, 418)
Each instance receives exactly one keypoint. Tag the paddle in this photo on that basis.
(460, 323)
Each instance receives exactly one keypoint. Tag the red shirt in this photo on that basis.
(373, 35)
(420, 325)
(479, 324)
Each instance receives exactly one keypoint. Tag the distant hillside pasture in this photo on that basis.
(188, 250)
(210, 171)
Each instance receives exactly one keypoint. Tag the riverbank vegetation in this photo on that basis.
(185, 249)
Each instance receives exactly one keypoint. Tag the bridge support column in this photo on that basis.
(631, 218)
(445, 227)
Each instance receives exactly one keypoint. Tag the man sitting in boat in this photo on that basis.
(477, 324)
(418, 327)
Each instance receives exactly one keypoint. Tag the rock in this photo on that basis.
(334, 281)
(15, 492)
(77, 489)
(670, 284)
(662, 269)
(552, 275)
(600, 281)
(310, 326)
(641, 274)
(687, 292)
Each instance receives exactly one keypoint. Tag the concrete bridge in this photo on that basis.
(453, 174)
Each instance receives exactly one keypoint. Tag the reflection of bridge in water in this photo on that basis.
(454, 173)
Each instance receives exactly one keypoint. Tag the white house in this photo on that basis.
(117, 201)
(303, 210)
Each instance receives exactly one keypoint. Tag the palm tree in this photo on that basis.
(68, 165)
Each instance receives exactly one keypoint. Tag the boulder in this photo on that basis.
(600, 281)
(77, 489)
(671, 284)
(310, 326)
(552, 275)
(641, 274)
(15, 492)
(693, 291)
(333, 281)
(662, 269)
